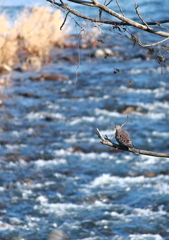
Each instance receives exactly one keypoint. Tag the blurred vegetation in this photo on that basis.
(34, 33)
(8, 43)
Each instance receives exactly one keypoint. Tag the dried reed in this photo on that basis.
(34, 32)
(39, 28)
(8, 44)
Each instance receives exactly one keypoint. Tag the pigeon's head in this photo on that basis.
(118, 127)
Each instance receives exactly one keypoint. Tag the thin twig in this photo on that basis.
(156, 22)
(153, 44)
(126, 121)
(100, 14)
(136, 8)
(109, 3)
(136, 40)
(90, 4)
(64, 20)
(120, 8)
(100, 11)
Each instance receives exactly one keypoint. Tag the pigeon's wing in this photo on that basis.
(123, 138)
(87, 3)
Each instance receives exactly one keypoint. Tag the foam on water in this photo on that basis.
(50, 163)
(145, 237)
(42, 115)
(149, 70)
(148, 212)
(105, 179)
(6, 226)
(42, 200)
(12, 147)
(150, 163)
(155, 105)
(59, 209)
(81, 120)
(106, 113)
(2, 189)
(147, 160)
(161, 188)
(160, 134)
(133, 90)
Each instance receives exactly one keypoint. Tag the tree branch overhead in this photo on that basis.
(143, 26)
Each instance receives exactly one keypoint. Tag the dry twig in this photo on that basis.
(139, 15)
(64, 20)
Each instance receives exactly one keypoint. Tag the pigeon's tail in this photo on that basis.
(136, 151)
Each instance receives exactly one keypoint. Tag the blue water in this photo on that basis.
(54, 173)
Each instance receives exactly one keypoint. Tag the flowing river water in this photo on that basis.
(55, 174)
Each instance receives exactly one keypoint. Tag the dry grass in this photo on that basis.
(39, 28)
(35, 32)
(8, 44)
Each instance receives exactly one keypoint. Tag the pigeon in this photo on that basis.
(57, 235)
(123, 139)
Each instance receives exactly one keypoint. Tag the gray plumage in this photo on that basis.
(123, 139)
(57, 235)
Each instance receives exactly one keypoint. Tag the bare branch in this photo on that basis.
(105, 21)
(135, 24)
(108, 142)
(76, 13)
